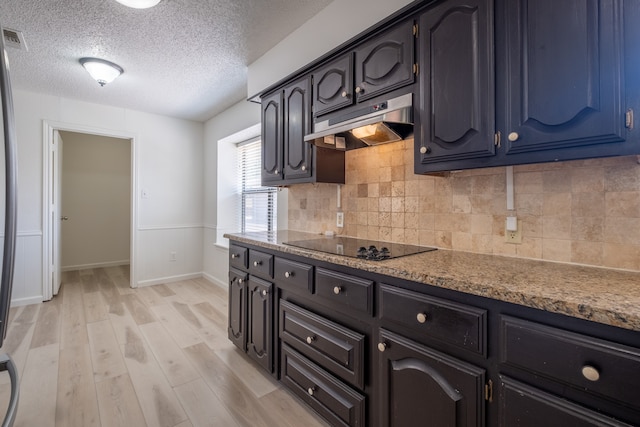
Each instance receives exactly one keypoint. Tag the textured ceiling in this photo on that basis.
(182, 58)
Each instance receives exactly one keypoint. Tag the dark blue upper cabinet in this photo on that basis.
(564, 75)
(457, 108)
(507, 82)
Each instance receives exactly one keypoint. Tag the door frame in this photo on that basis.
(48, 128)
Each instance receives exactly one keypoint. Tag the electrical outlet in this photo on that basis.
(514, 237)
(340, 219)
(173, 256)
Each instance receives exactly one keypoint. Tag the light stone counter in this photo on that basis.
(601, 295)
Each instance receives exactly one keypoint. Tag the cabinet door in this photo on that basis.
(297, 123)
(420, 386)
(238, 308)
(457, 107)
(385, 62)
(333, 85)
(260, 333)
(525, 406)
(564, 75)
(272, 140)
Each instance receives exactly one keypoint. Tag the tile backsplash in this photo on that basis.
(585, 212)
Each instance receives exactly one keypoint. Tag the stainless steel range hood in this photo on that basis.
(387, 121)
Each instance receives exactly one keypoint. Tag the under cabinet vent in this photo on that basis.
(14, 39)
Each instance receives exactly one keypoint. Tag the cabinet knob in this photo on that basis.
(304, 168)
(337, 290)
(382, 346)
(234, 256)
(311, 390)
(421, 317)
(513, 136)
(257, 263)
(344, 94)
(359, 89)
(240, 281)
(425, 150)
(590, 373)
(310, 339)
(288, 274)
(276, 172)
(264, 293)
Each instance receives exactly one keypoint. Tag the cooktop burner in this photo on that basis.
(360, 248)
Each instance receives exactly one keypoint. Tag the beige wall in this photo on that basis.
(96, 196)
(585, 212)
(335, 24)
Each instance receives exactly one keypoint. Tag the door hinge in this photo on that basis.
(629, 119)
(488, 391)
(415, 69)
(496, 139)
(415, 30)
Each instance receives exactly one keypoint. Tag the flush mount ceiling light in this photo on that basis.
(102, 71)
(139, 4)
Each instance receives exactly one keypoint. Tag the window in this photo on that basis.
(257, 203)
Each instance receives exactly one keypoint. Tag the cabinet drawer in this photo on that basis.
(238, 256)
(351, 292)
(330, 345)
(261, 264)
(339, 404)
(525, 406)
(423, 317)
(293, 275)
(596, 366)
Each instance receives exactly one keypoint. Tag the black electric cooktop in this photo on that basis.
(359, 248)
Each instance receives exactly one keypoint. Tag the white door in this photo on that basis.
(55, 216)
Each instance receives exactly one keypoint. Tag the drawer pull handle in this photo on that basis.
(264, 293)
(310, 339)
(288, 274)
(590, 373)
(234, 256)
(311, 390)
(337, 290)
(382, 346)
(257, 263)
(421, 317)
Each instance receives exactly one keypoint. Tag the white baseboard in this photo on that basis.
(168, 279)
(26, 301)
(215, 280)
(96, 265)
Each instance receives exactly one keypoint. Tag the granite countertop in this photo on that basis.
(601, 295)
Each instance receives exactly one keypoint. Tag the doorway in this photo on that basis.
(90, 208)
(95, 189)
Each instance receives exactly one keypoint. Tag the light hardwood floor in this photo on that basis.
(103, 354)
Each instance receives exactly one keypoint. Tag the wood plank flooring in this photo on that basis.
(101, 354)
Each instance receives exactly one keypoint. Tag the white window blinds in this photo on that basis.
(258, 204)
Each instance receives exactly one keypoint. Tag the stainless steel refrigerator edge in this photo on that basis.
(11, 209)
